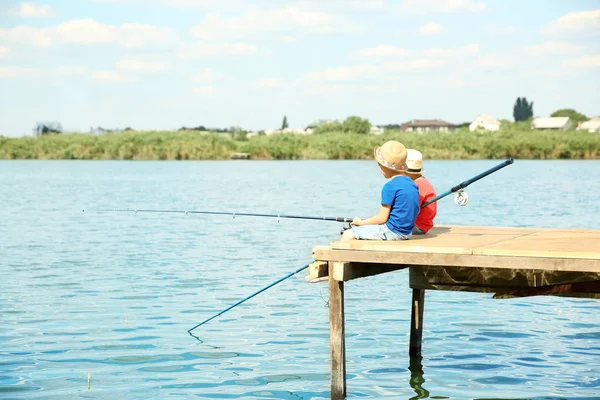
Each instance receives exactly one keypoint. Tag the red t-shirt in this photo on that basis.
(426, 215)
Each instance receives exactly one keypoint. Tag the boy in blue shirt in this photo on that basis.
(399, 200)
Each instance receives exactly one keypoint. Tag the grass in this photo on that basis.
(515, 141)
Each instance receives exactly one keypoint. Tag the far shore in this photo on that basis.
(192, 145)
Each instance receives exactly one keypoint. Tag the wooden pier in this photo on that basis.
(509, 262)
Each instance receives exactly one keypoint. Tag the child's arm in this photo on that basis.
(380, 218)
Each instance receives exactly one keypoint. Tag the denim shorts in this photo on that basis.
(417, 231)
(377, 232)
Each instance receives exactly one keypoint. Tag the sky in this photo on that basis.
(163, 64)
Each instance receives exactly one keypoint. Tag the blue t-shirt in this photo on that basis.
(402, 195)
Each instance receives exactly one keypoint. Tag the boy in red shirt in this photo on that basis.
(414, 163)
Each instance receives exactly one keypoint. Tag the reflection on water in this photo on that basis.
(114, 294)
(416, 378)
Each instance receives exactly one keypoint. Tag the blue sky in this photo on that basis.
(163, 64)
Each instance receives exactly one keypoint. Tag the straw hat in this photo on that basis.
(414, 162)
(391, 155)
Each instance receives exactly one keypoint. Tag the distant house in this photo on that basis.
(426, 125)
(592, 125)
(318, 123)
(485, 122)
(100, 130)
(552, 123)
(376, 130)
(296, 131)
(44, 128)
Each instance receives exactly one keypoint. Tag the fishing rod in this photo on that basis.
(461, 197)
(233, 214)
(248, 298)
(456, 189)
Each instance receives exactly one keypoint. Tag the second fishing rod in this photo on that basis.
(461, 199)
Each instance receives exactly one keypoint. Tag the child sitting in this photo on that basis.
(414, 165)
(399, 200)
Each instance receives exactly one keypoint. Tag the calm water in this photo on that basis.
(112, 295)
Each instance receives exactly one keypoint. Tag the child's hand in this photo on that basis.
(357, 221)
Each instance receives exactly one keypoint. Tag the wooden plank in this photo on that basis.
(416, 322)
(317, 271)
(500, 229)
(458, 260)
(548, 244)
(492, 279)
(580, 287)
(449, 244)
(348, 271)
(337, 338)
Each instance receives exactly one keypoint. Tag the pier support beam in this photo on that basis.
(337, 337)
(416, 322)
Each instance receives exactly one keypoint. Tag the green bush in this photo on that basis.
(512, 140)
(356, 124)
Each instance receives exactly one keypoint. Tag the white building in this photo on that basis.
(485, 122)
(552, 123)
(376, 130)
(593, 125)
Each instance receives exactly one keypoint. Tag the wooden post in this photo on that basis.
(337, 337)
(416, 322)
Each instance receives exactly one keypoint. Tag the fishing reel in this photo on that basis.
(344, 229)
(461, 198)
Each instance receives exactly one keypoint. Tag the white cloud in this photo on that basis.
(554, 48)
(89, 32)
(340, 89)
(343, 73)
(269, 82)
(32, 10)
(464, 51)
(495, 61)
(431, 29)
(383, 50)
(503, 29)
(4, 50)
(257, 22)
(189, 3)
(205, 90)
(208, 75)
(288, 39)
(413, 65)
(109, 76)
(26, 35)
(70, 70)
(441, 6)
(584, 62)
(581, 22)
(18, 72)
(367, 4)
(202, 49)
(142, 66)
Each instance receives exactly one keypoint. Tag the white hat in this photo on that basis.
(414, 162)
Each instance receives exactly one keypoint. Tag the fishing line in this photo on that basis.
(246, 299)
(461, 198)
